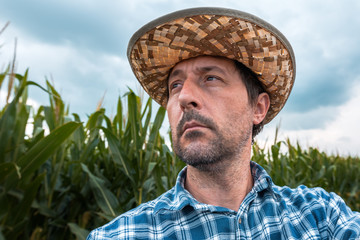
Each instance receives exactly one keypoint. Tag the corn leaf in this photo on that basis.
(105, 199)
(40, 152)
(79, 232)
(3, 75)
(157, 124)
(49, 117)
(7, 123)
(116, 152)
(134, 121)
(46, 147)
(119, 116)
(7, 168)
(29, 196)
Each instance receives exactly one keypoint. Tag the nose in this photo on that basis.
(189, 96)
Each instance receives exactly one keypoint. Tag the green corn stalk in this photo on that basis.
(21, 158)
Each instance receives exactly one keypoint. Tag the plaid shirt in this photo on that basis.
(267, 212)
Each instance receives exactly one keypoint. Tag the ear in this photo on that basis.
(261, 108)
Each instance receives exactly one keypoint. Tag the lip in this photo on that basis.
(192, 125)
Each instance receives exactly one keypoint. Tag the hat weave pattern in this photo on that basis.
(157, 51)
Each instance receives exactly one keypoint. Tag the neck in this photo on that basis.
(227, 188)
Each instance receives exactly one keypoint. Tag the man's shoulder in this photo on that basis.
(301, 190)
(142, 214)
(315, 205)
(303, 195)
(316, 201)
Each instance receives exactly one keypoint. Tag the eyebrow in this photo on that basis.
(198, 69)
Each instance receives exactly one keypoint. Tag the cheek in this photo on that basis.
(237, 115)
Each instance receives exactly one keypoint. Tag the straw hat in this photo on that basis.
(159, 45)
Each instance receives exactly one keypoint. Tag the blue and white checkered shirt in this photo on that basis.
(267, 212)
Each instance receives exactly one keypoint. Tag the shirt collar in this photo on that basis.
(178, 197)
(262, 180)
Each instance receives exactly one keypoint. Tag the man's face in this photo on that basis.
(210, 115)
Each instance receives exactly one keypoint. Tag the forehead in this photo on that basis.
(202, 63)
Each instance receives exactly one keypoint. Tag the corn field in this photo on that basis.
(61, 177)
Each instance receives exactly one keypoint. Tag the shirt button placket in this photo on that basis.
(238, 228)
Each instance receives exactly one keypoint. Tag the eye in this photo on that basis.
(212, 78)
(174, 85)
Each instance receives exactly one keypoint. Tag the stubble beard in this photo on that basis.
(214, 155)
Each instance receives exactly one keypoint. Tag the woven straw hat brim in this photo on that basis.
(159, 45)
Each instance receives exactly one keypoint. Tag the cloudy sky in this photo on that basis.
(81, 46)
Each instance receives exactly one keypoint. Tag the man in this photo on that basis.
(222, 74)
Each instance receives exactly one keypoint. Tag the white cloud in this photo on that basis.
(339, 136)
(33, 103)
(82, 76)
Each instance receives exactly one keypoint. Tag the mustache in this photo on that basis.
(193, 115)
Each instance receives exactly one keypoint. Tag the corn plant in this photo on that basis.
(295, 166)
(136, 164)
(80, 175)
(21, 157)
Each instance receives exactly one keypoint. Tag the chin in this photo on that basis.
(203, 156)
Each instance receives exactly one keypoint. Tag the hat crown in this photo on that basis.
(158, 46)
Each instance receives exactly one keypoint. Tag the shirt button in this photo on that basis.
(240, 220)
